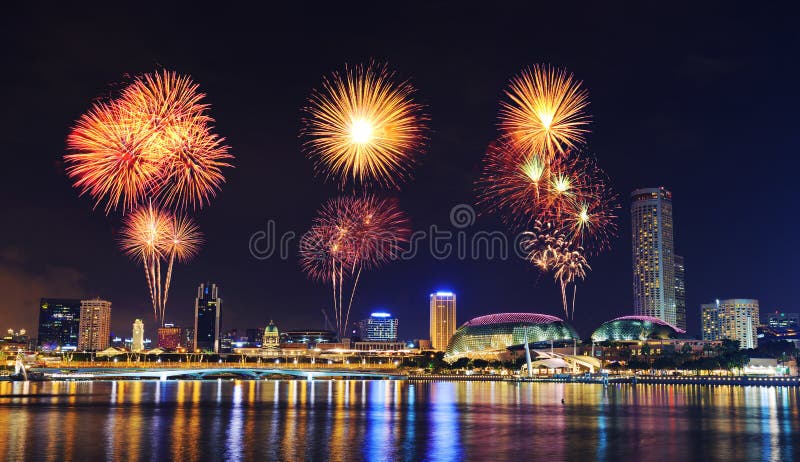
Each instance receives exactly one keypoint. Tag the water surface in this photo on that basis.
(394, 420)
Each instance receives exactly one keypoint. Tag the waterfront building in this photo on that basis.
(207, 319)
(780, 319)
(442, 319)
(653, 254)
(94, 330)
(680, 293)
(272, 337)
(734, 319)
(170, 337)
(636, 329)
(491, 336)
(380, 326)
(137, 339)
(310, 338)
(59, 324)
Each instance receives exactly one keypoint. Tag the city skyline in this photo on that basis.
(80, 260)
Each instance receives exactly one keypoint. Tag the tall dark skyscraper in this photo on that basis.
(207, 318)
(680, 293)
(653, 254)
(59, 324)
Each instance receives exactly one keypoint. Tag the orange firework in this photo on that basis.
(364, 127)
(153, 142)
(545, 111)
(153, 236)
(191, 166)
(110, 157)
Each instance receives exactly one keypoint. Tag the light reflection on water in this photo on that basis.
(394, 420)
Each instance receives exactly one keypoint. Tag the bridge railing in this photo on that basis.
(227, 365)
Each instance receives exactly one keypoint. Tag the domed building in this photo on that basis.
(636, 328)
(272, 338)
(491, 336)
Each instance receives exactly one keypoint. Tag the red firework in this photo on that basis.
(351, 234)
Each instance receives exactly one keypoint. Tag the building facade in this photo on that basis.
(95, 325)
(271, 339)
(734, 319)
(137, 338)
(653, 254)
(379, 327)
(59, 324)
(781, 319)
(443, 319)
(170, 337)
(207, 319)
(680, 293)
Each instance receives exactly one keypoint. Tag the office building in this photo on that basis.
(137, 339)
(95, 325)
(734, 319)
(653, 254)
(207, 319)
(443, 319)
(380, 326)
(59, 324)
(170, 337)
(680, 294)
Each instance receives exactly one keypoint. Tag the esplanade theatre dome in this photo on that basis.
(493, 334)
(635, 328)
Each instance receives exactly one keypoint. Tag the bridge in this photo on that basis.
(206, 372)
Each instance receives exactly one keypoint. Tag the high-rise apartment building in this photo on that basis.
(443, 319)
(207, 319)
(734, 319)
(653, 254)
(680, 293)
(137, 338)
(95, 325)
(379, 326)
(59, 324)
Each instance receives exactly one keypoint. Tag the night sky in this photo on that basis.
(701, 102)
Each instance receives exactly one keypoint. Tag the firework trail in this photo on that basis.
(362, 126)
(152, 236)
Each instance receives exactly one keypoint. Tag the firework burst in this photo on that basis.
(364, 127)
(152, 236)
(351, 234)
(545, 111)
(536, 178)
(155, 141)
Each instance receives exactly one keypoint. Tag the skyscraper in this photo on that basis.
(680, 293)
(443, 319)
(734, 319)
(137, 339)
(59, 324)
(379, 326)
(207, 318)
(653, 254)
(95, 325)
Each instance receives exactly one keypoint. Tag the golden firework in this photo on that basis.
(545, 111)
(363, 127)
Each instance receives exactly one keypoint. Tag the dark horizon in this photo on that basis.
(700, 102)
